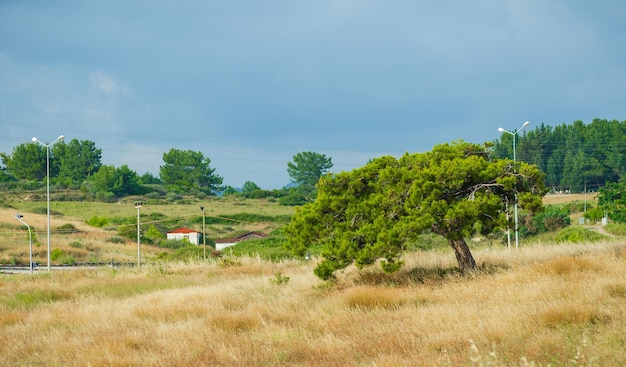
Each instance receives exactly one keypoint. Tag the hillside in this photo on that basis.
(77, 240)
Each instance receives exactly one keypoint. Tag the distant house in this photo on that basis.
(182, 233)
(222, 243)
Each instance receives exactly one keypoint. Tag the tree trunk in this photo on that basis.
(463, 255)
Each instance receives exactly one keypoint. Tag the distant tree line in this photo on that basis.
(575, 157)
(77, 165)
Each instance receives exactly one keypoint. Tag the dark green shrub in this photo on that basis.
(44, 210)
(68, 228)
(106, 196)
(116, 239)
(552, 218)
(294, 199)
(73, 195)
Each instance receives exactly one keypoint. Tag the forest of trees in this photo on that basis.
(575, 158)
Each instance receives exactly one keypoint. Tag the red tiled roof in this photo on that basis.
(183, 230)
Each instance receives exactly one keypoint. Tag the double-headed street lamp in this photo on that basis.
(48, 184)
(30, 240)
(514, 134)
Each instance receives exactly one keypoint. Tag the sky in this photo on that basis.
(251, 83)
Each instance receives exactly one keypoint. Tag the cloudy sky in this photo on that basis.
(251, 83)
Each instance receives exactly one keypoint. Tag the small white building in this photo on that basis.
(194, 237)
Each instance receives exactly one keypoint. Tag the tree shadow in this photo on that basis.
(425, 276)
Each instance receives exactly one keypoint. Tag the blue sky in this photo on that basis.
(252, 83)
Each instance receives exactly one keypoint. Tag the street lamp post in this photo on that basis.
(138, 206)
(30, 240)
(61, 137)
(514, 134)
(203, 232)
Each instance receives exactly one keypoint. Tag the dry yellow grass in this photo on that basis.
(542, 305)
(568, 198)
(14, 241)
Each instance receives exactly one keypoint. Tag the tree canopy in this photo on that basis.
(374, 212)
(77, 160)
(186, 169)
(70, 163)
(110, 182)
(308, 167)
(28, 162)
(612, 199)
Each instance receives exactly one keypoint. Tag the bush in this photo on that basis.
(279, 279)
(44, 210)
(578, 234)
(174, 244)
(116, 239)
(106, 196)
(578, 206)
(98, 222)
(294, 199)
(69, 196)
(68, 228)
(186, 253)
(595, 214)
(552, 218)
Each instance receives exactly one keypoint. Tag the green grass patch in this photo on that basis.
(616, 229)
(267, 248)
(578, 234)
(30, 300)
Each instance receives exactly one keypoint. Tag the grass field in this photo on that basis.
(92, 244)
(539, 306)
(568, 198)
(545, 304)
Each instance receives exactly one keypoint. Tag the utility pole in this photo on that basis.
(138, 205)
(203, 232)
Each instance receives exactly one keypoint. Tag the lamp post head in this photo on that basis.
(500, 129)
(202, 208)
(61, 137)
(34, 139)
(18, 216)
(525, 124)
